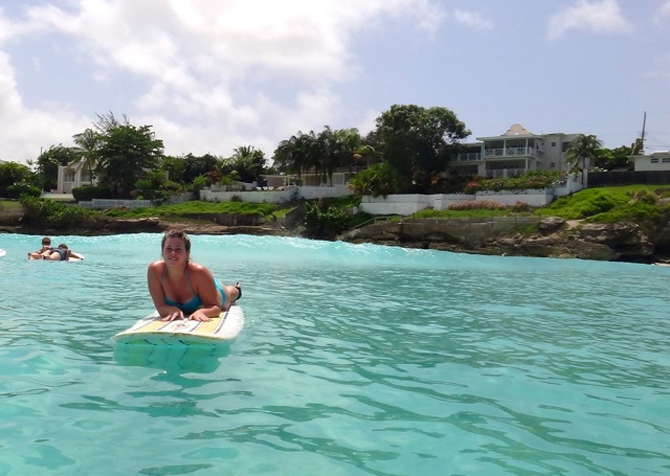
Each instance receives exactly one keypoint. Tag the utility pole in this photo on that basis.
(644, 122)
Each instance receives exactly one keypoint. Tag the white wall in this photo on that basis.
(400, 204)
(276, 196)
(408, 204)
(643, 163)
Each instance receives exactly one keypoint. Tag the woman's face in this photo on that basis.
(174, 252)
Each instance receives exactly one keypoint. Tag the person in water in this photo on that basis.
(46, 245)
(62, 253)
(183, 289)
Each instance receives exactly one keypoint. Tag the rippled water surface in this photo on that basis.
(353, 360)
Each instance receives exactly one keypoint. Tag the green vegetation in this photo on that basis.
(54, 214)
(534, 180)
(642, 204)
(636, 203)
(11, 205)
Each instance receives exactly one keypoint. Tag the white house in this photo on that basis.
(74, 174)
(513, 153)
(654, 162)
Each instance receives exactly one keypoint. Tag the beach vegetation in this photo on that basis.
(53, 214)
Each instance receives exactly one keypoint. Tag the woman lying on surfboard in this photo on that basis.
(183, 289)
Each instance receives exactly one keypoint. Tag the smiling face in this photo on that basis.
(174, 252)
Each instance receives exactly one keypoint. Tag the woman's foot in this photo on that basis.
(234, 293)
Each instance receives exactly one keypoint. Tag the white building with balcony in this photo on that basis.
(513, 153)
(74, 174)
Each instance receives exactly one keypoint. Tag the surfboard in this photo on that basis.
(152, 331)
(72, 258)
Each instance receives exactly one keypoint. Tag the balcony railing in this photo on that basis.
(496, 153)
(511, 152)
(469, 157)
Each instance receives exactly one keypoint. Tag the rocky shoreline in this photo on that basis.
(554, 238)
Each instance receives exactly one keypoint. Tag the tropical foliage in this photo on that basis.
(127, 153)
(320, 154)
(324, 221)
(379, 180)
(12, 173)
(53, 214)
(584, 148)
(418, 142)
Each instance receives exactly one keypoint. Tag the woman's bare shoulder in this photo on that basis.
(156, 265)
(197, 269)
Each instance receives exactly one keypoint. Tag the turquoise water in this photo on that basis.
(354, 360)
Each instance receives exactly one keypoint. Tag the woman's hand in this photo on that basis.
(199, 316)
(175, 313)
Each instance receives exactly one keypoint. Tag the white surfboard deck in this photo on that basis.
(152, 331)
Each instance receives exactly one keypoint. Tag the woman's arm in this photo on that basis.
(166, 312)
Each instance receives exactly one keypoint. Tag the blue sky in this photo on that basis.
(214, 75)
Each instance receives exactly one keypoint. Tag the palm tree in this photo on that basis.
(582, 148)
(87, 145)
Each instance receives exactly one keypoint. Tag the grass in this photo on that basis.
(637, 203)
(610, 204)
(10, 205)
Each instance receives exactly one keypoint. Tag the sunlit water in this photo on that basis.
(354, 359)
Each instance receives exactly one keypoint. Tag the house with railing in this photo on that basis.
(74, 174)
(513, 153)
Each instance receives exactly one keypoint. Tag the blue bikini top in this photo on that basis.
(195, 303)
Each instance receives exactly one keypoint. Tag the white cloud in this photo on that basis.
(592, 16)
(211, 74)
(474, 20)
(664, 9)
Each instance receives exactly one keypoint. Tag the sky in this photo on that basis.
(210, 76)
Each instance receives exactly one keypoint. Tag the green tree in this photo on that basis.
(87, 144)
(337, 149)
(249, 162)
(14, 173)
(418, 141)
(126, 154)
(582, 148)
(292, 155)
(618, 158)
(48, 162)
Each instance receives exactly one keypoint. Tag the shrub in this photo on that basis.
(22, 188)
(478, 205)
(323, 221)
(89, 192)
(53, 214)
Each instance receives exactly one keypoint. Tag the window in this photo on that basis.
(68, 176)
(665, 160)
(654, 160)
(553, 143)
(552, 165)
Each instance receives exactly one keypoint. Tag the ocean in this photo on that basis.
(354, 360)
